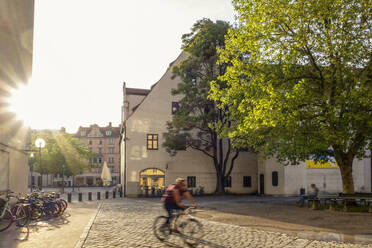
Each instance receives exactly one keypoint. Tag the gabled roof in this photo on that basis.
(152, 87)
(135, 91)
(115, 131)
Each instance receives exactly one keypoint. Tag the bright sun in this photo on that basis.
(26, 103)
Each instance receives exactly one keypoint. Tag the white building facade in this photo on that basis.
(145, 164)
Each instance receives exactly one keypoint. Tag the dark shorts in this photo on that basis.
(171, 207)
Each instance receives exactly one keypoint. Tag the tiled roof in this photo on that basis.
(135, 91)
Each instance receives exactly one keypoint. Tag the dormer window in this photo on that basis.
(108, 133)
(95, 133)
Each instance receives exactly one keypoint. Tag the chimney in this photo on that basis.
(110, 124)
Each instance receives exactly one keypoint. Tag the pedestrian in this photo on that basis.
(313, 194)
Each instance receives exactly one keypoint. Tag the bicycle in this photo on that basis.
(189, 228)
(10, 214)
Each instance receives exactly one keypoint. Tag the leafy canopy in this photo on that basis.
(300, 78)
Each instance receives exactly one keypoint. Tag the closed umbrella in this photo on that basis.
(106, 175)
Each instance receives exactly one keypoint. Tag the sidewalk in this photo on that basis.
(64, 231)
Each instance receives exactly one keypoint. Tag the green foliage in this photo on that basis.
(61, 150)
(194, 124)
(300, 79)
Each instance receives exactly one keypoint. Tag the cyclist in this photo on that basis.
(172, 197)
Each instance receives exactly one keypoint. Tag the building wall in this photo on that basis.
(16, 48)
(150, 118)
(295, 177)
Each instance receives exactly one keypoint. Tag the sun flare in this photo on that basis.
(25, 102)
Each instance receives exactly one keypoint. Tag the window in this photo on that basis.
(247, 182)
(111, 141)
(95, 133)
(100, 160)
(83, 133)
(111, 168)
(175, 107)
(111, 150)
(275, 178)
(90, 142)
(108, 133)
(152, 142)
(99, 150)
(90, 149)
(180, 142)
(111, 160)
(100, 142)
(228, 182)
(94, 160)
(191, 182)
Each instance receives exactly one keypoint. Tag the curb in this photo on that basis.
(85, 233)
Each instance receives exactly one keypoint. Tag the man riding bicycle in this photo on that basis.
(172, 197)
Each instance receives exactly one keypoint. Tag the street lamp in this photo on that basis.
(32, 168)
(40, 143)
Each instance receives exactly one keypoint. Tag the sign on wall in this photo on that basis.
(311, 164)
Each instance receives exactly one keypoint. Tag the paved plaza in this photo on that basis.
(128, 223)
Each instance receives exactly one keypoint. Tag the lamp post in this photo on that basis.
(63, 178)
(40, 143)
(32, 169)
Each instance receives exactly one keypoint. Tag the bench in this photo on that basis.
(347, 198)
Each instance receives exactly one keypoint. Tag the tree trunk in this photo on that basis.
(347, 178)
(345, 162)
(73, 183)
(220, 187)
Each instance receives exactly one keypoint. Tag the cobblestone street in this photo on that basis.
(128, 223)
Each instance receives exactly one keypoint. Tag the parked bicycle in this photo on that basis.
(182, 223)
(9, 214)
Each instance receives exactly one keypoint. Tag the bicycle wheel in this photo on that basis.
(21, 215)
(191, 230)
(64, 204)
(35, 212)
(52, 210)
(161, 228)
(6, 220)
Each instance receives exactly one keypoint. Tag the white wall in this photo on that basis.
(150, 118)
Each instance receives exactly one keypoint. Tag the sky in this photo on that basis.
(85, 49)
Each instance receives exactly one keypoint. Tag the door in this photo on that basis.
(4, 169)
(262, 184)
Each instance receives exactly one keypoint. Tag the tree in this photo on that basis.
(194, 123)
(63, 154)
(300, 80)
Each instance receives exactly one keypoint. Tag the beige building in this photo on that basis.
(16, 47)
(145, 163)
(277, 179)
(104, 141)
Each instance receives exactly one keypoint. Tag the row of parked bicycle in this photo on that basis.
(22, 209)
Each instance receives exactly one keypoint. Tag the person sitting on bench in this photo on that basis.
(312, 195)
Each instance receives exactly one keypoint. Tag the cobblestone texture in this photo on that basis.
(128, 223)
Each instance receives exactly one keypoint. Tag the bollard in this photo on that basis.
(89, 196)
(69, 197)
(113, 194)
(80, 196)
(107, 194)
(98, 195)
